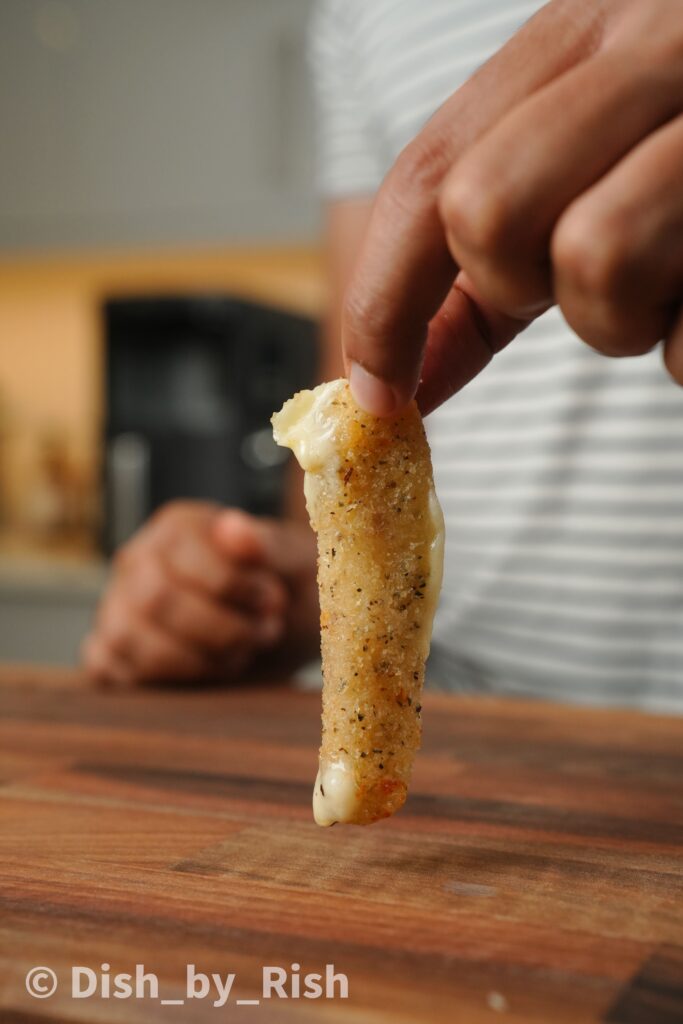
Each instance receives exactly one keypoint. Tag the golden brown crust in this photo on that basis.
(372, 518)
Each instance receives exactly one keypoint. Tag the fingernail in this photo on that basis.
(371, 393)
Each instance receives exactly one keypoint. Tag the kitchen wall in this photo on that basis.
(146, 147)
(143, 122)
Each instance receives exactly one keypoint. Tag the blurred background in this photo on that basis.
(160, 279)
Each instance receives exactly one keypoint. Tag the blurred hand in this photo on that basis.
(554, 175)
(202, 593)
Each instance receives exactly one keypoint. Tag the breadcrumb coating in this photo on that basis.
(378, 527)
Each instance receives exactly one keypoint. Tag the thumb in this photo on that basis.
(285, 548)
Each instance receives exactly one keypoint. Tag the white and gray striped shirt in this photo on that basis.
(560, 471)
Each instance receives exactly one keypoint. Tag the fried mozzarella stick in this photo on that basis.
(371, 500)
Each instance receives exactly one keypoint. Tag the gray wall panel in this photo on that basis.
(153, 121)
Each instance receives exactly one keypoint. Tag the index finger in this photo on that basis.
(191, 554)
(405, 270)
(200, 564)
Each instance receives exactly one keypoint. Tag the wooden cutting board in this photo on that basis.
(535, 874)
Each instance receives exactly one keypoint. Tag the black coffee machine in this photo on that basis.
(191, 384)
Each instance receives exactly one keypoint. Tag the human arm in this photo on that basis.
(552, 175)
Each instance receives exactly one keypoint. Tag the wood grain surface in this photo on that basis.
(535, 874)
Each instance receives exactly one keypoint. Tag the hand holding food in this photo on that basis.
(552, 176)
(371, 499)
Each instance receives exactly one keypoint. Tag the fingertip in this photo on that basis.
(238, 533)
(100, 667)
(373, 394)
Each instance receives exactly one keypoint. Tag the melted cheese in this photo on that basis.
(305, 425)
(433, 588)
(335, 796)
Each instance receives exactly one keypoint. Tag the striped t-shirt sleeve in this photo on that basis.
(347, 162)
